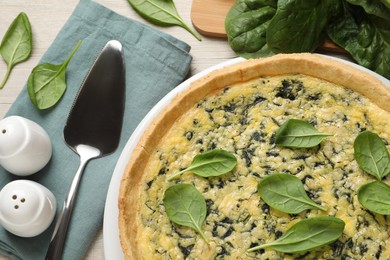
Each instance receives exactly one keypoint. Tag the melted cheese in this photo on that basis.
(242, 119)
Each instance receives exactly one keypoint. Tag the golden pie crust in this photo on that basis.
(313, 65)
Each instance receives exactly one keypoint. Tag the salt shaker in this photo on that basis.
(27, 208)
(25, 147)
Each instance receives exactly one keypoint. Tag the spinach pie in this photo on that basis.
(239, 109)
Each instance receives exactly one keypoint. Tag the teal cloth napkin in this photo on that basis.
(155, 63)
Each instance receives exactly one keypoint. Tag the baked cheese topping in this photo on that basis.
(242, 119)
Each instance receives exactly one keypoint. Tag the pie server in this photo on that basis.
(93, 127)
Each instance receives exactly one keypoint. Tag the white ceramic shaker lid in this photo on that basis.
(27, 208)
(25, 147)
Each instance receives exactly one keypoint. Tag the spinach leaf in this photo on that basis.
(286, 193)
(307, 234)
(46, 83)
(299, 25)
(210, 163)
(365, 37)
(386, 3)
(373, 7)
(246, 24)
(185, 206)
(16, 45)
(298, 134)
(375, 197)
(161, 12)
(371, 154)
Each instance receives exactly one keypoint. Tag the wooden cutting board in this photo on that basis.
(208, 18)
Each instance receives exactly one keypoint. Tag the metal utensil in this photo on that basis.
(93, 127)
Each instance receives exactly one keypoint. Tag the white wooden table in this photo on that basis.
(48, 16)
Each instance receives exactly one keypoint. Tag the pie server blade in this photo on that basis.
(93, 127)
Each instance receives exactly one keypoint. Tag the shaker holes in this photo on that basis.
(22, 200)
(4, 131)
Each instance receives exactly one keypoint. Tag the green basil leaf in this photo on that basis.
(373, 7)
(298, 134)
(185, 206)
(375, 197)
(307, 234)
(161, 12)
(286, 193)
(46, 83)
(246, 24)
(365, 37)
(371, 154)
(16, 45)
(211, 163)
(298, 25)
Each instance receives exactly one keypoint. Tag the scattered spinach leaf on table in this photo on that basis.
(16, 45)
(286, 193)
(296, 133)
(47, 82)
(366, 37)
(306, 235)
(185, 206)
(246, 24)
(371, 154)
(375, 197)
(161, 12)
(299, 26)
(209, 164)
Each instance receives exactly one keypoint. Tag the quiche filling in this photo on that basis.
(243, 119)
